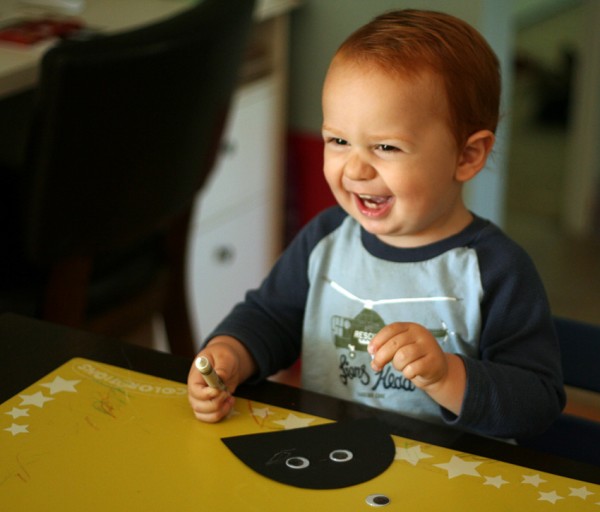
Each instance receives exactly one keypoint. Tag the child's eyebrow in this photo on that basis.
(326, 128)
(405, 140)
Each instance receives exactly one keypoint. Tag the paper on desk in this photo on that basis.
(91, 435)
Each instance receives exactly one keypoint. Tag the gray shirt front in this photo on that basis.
(477, 291)
(353, 294)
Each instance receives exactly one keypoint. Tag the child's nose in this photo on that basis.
(358, 168)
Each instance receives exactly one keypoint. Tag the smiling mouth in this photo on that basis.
(373, 202)
(373, 206)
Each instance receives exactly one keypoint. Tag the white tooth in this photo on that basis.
(371, 201)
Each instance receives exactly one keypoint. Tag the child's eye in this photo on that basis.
(387, 147)
(338, 142)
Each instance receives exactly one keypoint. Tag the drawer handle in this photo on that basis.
(224, 254)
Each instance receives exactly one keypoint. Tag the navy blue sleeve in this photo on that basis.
(515, 389)
(269, 321)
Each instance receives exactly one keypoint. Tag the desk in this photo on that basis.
(30, 350)
(19, 66)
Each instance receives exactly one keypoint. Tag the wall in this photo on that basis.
(317, 29)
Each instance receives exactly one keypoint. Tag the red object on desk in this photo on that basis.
(28, 32)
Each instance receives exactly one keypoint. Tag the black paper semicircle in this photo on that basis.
(372, 451)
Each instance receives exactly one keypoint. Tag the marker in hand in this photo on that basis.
(209, 374)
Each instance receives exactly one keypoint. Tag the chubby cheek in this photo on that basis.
(423, 199)
(411, 186)
(408, 190)
(334, 177)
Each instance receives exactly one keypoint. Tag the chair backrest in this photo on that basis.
(571, 436)
(126, 128)
(580, 353)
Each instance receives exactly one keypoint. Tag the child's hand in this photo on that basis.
(211, 404)
(412, 349)
(415, 352)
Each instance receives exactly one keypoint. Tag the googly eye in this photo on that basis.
(297, 462)
(378, 500)
(341, 455)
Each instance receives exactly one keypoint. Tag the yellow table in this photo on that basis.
(90, 436)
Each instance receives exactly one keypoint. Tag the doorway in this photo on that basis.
(552, 170)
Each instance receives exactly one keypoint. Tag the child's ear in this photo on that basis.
(474, 154)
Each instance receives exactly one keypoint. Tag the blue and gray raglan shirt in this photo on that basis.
(478, 293)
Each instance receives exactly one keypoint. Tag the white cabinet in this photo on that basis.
(247, 158)
(228, 261)
(235, 231)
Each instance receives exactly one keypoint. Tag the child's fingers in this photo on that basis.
(404, 344)
(212, 409)
(387, 343)
(399, 351)
(408, 359)
(411, 362)
(387, 333)
(202, 391)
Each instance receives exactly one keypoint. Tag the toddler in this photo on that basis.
(400, 297)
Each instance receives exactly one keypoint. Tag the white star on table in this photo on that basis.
(38, 399)
(59, 384)
(534, 480)
(233, 412)
(580, 492)
(15, 429)
(457, 467)
(411, 455)
(293, 421)
(15, 412)
(496, 481)
(261, 412)
(552, 497)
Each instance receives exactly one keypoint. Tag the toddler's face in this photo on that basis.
(390, 157)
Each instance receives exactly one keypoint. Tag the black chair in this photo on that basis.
(124, 132)
(573, 436)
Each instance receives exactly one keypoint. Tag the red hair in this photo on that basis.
(409, 42)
